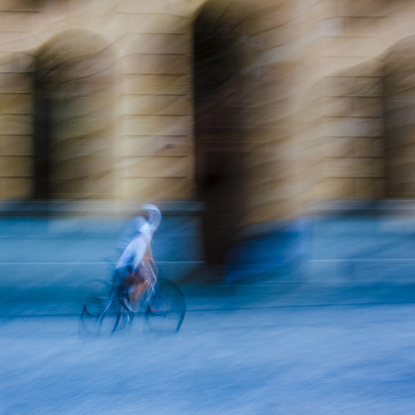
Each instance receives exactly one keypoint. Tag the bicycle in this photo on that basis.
(163, 306)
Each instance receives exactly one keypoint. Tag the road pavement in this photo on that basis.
(276, 359)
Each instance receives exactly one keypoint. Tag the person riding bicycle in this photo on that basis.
(134, 272)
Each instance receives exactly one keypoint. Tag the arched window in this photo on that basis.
(399, 119)
(74, 117)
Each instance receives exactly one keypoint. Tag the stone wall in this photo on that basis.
(318, 83)
(143, 147)
(366, 54)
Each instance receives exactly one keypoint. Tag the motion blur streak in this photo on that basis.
(276, 137)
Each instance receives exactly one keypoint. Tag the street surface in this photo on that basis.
(322, 359)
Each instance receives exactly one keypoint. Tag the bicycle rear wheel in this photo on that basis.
(167, 308)
(100, 316)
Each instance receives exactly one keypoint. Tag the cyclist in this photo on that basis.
(134, 272)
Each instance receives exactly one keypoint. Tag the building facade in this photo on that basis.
(255, 108)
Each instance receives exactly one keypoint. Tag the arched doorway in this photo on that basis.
(219, 129)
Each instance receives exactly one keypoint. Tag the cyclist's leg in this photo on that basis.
(135, 285)
(160, 303)
(137, 290)
(146, 279)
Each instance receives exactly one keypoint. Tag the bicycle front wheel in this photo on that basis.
(167, 308)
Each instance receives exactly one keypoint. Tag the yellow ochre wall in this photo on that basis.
(326, 90)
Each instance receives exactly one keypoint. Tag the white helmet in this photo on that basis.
(153, 216)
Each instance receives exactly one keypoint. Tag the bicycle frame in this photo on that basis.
(108, 314)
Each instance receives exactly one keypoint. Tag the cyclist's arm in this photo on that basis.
(131, 231)
(125, 263)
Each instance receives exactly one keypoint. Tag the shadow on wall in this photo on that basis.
(277, 257)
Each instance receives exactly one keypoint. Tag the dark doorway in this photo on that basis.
(43, 115)
(219, 132)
